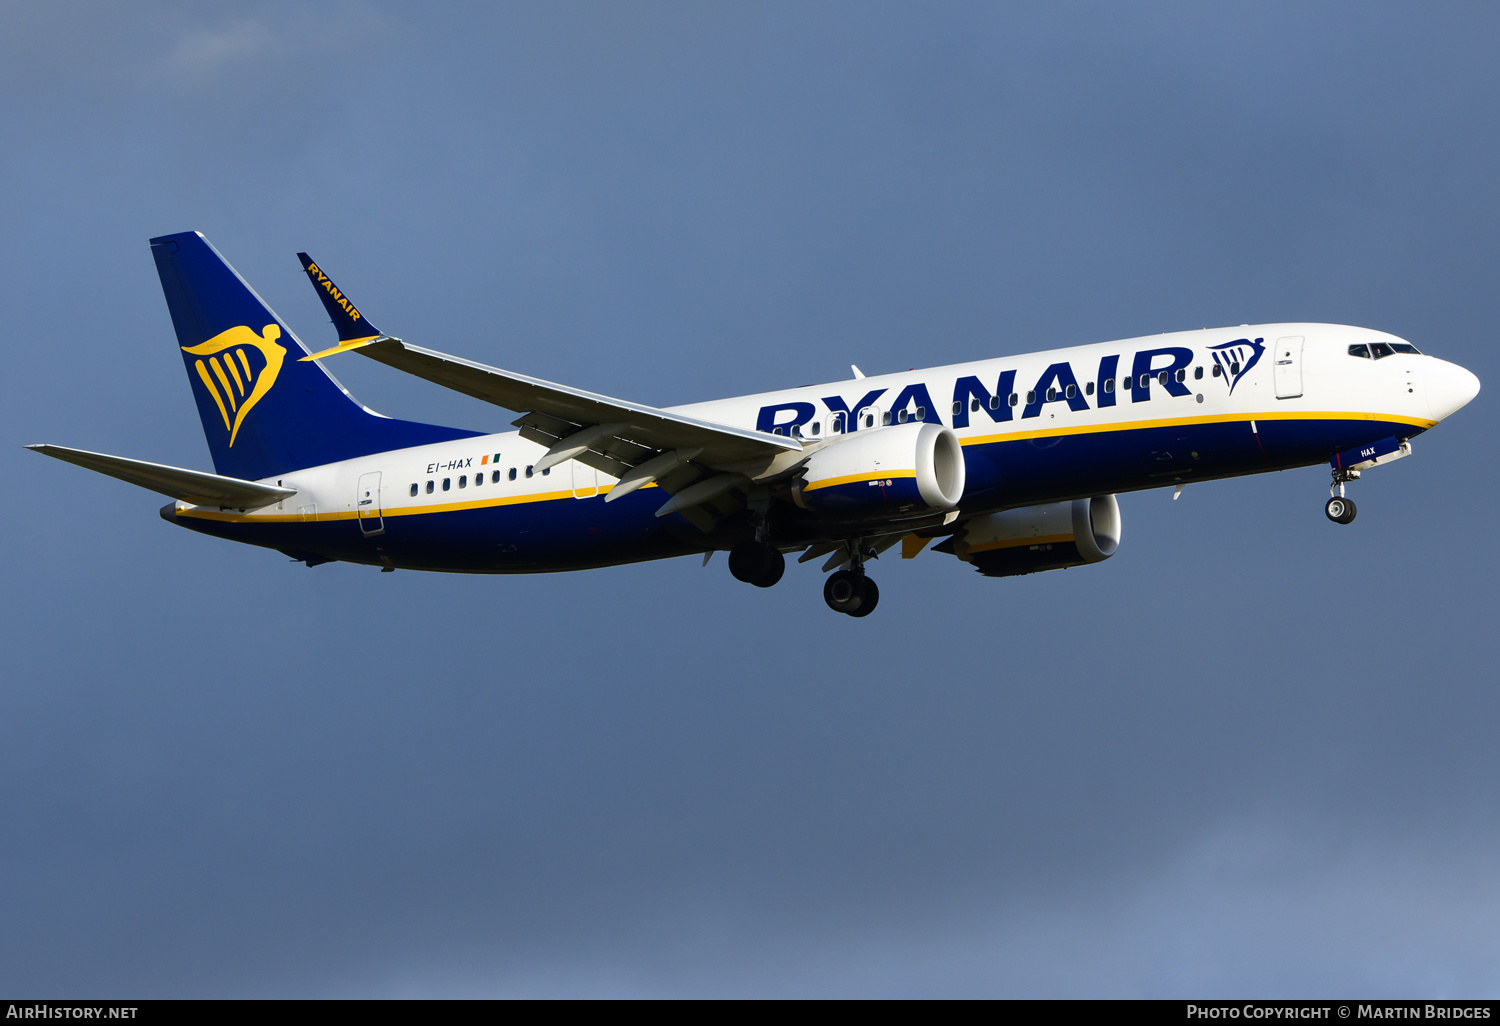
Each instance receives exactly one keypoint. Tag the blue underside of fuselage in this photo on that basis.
(573, 534)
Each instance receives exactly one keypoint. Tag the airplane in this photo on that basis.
(1011, 465)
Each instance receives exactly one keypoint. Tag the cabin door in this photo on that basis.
(1288, 367)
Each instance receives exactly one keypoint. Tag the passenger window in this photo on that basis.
(1218, 370)
(994, 402)
(1088, 388)
(1109, 384)
(1051, 395)
(1234, 367)
(1162, 377)
(901, 417)
(1031, 398)
(1145, 381)
(886, 419)
(958, 407)
(816, 428)
(1182, 374)
(1197, 373)
(512, 473)
(463, 480)
(495, 477)
(921, 413)
(547, 471)
(838, 424)
(528, 471)
(414, 489)
(1071, 391)
(429, 487)
(447, 483)
(1014, 398)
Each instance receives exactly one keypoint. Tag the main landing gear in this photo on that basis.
(1338, 508)
(757, 563)
(850, 591)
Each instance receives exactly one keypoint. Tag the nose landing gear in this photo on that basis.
(1338, 508)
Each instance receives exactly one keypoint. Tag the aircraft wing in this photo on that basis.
(188, 485)
(699, 463)
(564, 406)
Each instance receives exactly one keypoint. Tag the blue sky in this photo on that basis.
(1251, 755)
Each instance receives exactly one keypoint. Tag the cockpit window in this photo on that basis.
(1380, 350)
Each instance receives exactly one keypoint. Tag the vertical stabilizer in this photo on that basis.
(264, 412)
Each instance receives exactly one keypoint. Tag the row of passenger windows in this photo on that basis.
(836, 425)
(463, 480)
(1380, 350)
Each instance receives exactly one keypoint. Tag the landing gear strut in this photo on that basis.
(1338, 508)
(850, 591)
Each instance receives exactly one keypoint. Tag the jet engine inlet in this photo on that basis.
(882, 472)
(1035, 538)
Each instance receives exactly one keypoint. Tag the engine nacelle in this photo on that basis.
(882, 472)
(1035, 538)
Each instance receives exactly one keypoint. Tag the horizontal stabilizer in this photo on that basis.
(188, 485)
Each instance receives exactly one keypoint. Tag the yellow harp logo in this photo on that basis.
(239, 386)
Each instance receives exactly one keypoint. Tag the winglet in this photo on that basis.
(355, 330)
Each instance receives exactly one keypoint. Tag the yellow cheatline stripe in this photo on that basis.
(208, 383)
(856, 478)
(240, 352)
(234, 372)
(401, 511)
(353, 343)
(1015, 543)
(1223, 418)
(213, 361)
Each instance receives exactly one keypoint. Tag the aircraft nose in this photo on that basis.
(1449, 388)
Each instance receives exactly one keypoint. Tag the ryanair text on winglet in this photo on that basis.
(338, 297)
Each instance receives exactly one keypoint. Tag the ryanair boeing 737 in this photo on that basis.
(1011, 464)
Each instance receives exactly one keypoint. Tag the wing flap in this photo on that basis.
(187, 485)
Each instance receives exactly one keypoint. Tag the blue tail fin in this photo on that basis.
(265, 413)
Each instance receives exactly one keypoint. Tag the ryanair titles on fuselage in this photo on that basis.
(1165, 366)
